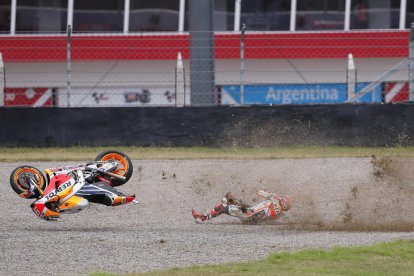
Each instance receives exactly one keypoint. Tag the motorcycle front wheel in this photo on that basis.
(20, 177)
(124, 167)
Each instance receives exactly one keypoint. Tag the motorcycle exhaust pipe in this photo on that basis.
(120, 177)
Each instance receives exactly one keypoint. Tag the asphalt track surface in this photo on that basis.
(160, 233)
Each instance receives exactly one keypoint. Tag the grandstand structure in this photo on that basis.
(125, 52)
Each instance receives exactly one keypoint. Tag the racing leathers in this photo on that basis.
(269, 209)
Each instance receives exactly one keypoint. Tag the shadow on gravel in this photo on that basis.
(80, 229)
(315, 228)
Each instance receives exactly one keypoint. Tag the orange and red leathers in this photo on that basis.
(268, 209)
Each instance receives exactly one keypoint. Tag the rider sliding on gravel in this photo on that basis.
(269, 209)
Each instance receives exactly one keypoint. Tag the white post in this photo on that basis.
(179, 82)
(403, 12)
(411, 64)
(70, 13)
(68, 64)
(347, 15)
(351, 77)
(13, 17)
(293, 6)
(2, 81)
(126, 16)
(242, 64)
(237, 14)
(181, 16)
(378, 81)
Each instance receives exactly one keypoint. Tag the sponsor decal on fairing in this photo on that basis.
(58, 190)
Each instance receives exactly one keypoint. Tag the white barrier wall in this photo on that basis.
(162, 72)
(120, 77)
(2, 80)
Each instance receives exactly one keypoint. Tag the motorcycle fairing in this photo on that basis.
(103, 193)
(61, 188)
(73, 205)
(41, 210)
(57, 185)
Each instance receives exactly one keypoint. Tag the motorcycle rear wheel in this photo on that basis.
(19, 180)
(124, 168)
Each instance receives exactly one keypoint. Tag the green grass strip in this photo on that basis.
(244, 153)
(393, 258)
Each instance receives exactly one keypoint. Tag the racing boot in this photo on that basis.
(207, 215)
(218, 210)
(196, 215)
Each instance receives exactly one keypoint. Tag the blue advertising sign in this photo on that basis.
(373, 96)
(325, 93)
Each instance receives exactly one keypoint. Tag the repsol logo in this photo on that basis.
(58, 190)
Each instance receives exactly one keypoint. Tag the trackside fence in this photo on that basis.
(247, 68)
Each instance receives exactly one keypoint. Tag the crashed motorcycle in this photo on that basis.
(70, 189)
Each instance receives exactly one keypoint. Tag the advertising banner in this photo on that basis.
(105, 97)
(324, 93)
(35, 97)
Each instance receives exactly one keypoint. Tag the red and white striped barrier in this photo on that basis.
(35, 97)
(395, 92)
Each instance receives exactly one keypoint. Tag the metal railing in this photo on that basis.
(206, 69)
